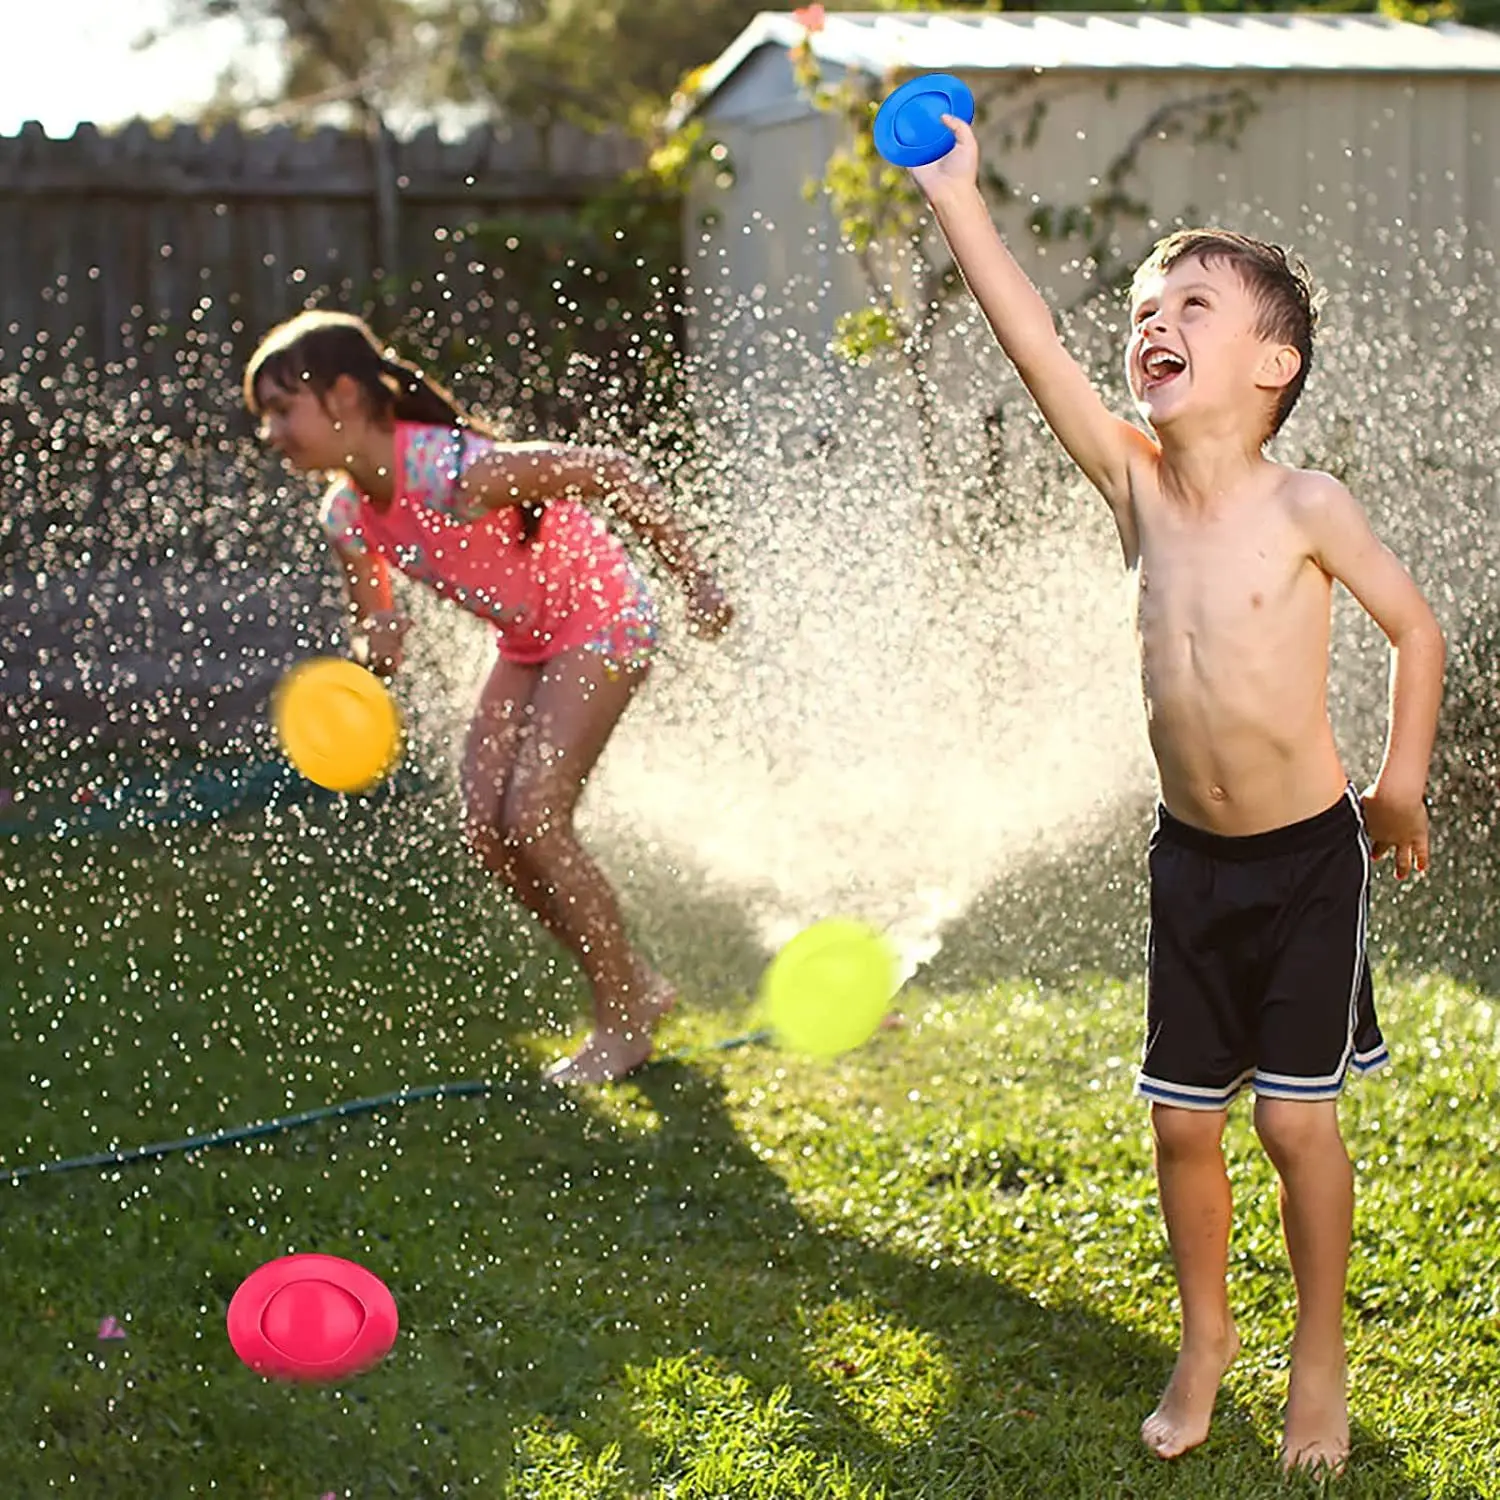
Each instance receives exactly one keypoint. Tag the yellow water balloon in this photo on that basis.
(829, 988)
(338, 724)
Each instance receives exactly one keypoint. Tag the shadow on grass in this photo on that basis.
(624, 1270)
(626, 1283)
(727, 1293)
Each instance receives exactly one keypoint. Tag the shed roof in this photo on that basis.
(881, 42)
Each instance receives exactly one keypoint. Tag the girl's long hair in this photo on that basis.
(315, 348)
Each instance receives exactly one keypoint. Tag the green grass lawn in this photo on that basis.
(932, 1269)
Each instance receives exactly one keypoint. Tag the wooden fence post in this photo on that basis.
(387, 203)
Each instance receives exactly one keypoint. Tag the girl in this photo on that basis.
(500, 529)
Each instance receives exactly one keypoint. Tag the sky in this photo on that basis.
(69, 60)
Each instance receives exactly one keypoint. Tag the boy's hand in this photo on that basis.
(1397, 825)
(958, 169)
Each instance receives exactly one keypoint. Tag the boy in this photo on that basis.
(1260, 858)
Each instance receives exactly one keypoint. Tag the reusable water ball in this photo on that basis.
(829, 988)
(909, 130)
(337, 723)
(312, 1318)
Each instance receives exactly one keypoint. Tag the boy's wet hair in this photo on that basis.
(316, 347)
(1279, 282)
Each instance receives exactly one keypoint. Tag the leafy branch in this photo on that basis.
(881, 214)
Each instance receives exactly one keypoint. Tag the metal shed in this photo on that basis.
(1371, 145)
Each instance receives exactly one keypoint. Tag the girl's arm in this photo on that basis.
(376, 628)
(533, 473)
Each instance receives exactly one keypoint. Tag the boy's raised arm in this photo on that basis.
(1100, 443)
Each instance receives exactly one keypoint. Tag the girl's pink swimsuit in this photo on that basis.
(572, 585)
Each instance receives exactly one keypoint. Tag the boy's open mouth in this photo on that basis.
(1159, 365)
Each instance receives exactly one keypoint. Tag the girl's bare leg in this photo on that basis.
(574, 707)
(504, 791)
(490, 752)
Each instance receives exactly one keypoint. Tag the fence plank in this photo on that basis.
(157, 568)
(106, 235)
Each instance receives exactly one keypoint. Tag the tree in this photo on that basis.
(362, 58)
(600, 63)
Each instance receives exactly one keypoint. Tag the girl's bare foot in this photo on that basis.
(604, 1057)
(655, 992)
(613, 1052)
(1182, 1416)
(1317, 1417)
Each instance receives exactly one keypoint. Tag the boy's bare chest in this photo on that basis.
(1211, 578)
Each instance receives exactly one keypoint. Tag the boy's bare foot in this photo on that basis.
(1317, 1417)
(1182, 1416)
(609, 1053)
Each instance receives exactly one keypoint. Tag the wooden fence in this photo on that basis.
(129, 246)
(157, 571)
